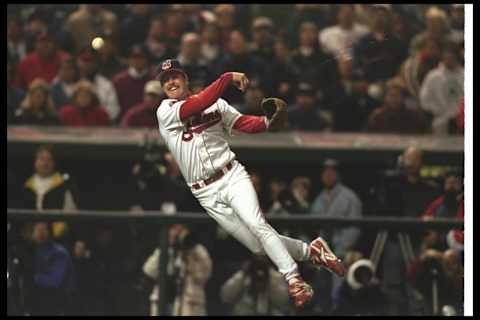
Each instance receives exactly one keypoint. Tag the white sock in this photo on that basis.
(298, 249)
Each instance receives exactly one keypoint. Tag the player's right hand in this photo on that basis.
(240, 81)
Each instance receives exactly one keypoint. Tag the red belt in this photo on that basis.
(217, 175)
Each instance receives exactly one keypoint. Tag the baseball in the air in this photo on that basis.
(97, 43)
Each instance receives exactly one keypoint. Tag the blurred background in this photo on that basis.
(375, 99)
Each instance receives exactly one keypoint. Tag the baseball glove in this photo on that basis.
(275, 110)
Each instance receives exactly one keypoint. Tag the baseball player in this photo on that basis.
(194, 128)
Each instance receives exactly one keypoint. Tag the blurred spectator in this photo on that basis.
(176, 24)
(14, 95)
(401, 27)
(225, 17)
(158, 47)
(417, 66)
(402, 193)
(436, 28)
(340, 39)
(37, 107)
(89, 21)
(42, 63)
(295, 199)
(311, 64)
(144, 113)
(51, 17)
(88, 66)
(276, 189)
(263, 39)
(360, 292)
(256, 290)
(189, 266)
(379, 54)
(442, 90)
(283, 74)
(211, 46)
(241, 60)
(394, 117)
(351, 107)
(449, 205)
(319, 14)
(253, 98)
(16, 45)
(86, 296)
(130, 83)
(457, 23)
(191, 59)
(446, 269)
(134, 28)
(53, 275)
(160, 185)
(337, 200)
(49, 189)
(305, 114)
(110, 61)
(64, 83)
(85, 109)
(36, 24)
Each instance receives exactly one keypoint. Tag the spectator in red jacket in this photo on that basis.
(143, 114)
(129, 84)
(394, 117)
(449, 205)
(42, 63)
(85, 109)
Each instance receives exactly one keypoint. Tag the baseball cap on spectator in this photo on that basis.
(168, 66)
(262, 23)
(305, 89)
(153, 87)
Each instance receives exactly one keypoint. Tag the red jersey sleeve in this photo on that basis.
(250, 124)
(201, 101)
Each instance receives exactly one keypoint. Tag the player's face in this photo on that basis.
(175, 86)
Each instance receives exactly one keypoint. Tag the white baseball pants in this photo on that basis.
(233, 203)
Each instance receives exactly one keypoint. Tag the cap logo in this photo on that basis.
(167, 64)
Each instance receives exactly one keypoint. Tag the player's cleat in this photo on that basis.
(320, 255)
(300, 291)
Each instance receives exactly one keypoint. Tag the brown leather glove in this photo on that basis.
(275, 110)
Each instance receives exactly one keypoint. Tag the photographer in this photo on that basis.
(438, 276)
(256, 289)
(160, 185)
(360, 293)
(189, 269)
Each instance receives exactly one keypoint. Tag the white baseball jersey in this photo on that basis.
(200, 148)
(199, 143)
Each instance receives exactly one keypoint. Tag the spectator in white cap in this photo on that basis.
(143, 114)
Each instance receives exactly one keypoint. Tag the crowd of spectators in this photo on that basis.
(371, 68)
(96, 257)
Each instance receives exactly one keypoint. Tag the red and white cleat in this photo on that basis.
(300, 291)
(322, 256)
